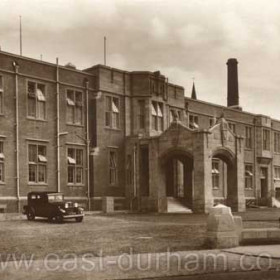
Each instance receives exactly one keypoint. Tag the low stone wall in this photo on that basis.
(226, 231)
(260, 235)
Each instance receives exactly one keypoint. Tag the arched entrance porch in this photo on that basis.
(177, 170)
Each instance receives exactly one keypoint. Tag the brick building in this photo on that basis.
(132, 136)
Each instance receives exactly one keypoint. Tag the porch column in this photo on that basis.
(202, 187)
(156, 201)
(238, 200)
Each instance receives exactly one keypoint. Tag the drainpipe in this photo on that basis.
(57, 126)
(87, 143)
(134, 172)
(126, 193)
(271, 193)
(255, 161)
(125, 103)
(16, 68)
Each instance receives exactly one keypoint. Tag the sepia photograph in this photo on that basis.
(139, 139)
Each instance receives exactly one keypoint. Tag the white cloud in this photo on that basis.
(180, 38)
(158, 29)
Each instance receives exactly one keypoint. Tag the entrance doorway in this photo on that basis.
(179, 179)
(264, 186)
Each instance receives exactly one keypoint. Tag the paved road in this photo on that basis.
(252, 275)
(256, 262)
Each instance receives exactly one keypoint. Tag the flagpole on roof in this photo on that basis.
(20, 36)
(105, 50)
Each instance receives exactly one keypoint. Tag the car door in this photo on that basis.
(49, 208)
(45, 206)
(40, 205)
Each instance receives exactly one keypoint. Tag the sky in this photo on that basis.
(185, 39)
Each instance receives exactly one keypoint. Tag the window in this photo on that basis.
(113, 167)
(75, 166)
(164, 91)
(263, 174)
(248, 137)
(74, 111)
(175, 114)
(193, 121)
(212, 122)
(276, 142)
(2, 158)
(157, 116)
(141, 114)
(215, 174)
(129, 170)
(36, 100)
(266, 139)
(248, 176)
(162, 88)
(152, 86)
(112, 112)
(232, 127)
(1, 95)
(37, 160)
(276, 172)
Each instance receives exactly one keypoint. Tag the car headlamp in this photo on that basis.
(76, 204)
(66, 205)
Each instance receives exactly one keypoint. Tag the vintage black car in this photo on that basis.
(52, 206)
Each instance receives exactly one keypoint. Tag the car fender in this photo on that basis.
(55, 211)
(27, 208)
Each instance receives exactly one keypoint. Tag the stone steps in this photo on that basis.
(175, 206)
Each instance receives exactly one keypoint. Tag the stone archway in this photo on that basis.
(227, 176)
(192, 152)
(177, 172)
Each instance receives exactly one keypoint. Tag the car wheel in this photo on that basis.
(79, 219)
(58, 219)
(50, 219)
(30, 215)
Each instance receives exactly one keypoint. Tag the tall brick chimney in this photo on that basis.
(232, 84)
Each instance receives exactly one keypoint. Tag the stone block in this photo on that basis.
(222, 232)
(220, 223)
(238, 226)
(220, 219)
(254, 233)
(220, 209)
(221, 240)
(108, 204)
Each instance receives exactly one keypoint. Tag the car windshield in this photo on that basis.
(55, 197)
